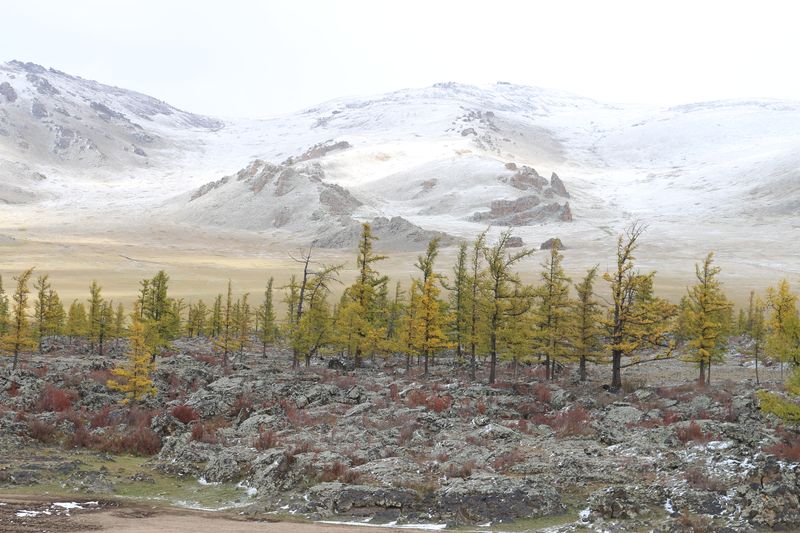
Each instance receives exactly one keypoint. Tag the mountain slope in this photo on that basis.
(448, 158)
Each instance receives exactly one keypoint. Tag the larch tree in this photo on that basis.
(637, 321)
(586, 325)
(5, 318)
(366, 297)
(266, 321)
(95, 315)
(48, 311)
(77, 321)
(459, 299)
(475, 301)
(215, 324)
(704, 318)
(507, 298)
(134, 379)
(19, 337)
(224, 340)
(408, 343)
(431, 317)
(758, 330)
(551, 336)
(783, 339)
(41, 308)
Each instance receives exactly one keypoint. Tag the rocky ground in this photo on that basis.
(382, 445)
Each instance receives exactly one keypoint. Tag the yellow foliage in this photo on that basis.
(136, 376)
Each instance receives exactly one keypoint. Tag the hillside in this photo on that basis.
(451, 158)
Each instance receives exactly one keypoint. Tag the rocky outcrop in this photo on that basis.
(558, 186)
(8, 92)
(394, 233)
(318, 150)
(523, 211)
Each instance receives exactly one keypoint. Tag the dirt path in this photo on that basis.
(22, 514)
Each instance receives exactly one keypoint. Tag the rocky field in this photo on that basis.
(382, 445)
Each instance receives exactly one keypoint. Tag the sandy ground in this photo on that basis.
(137, 518)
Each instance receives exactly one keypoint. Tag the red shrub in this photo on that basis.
(265, 440)
(574, 421)
(541, 392)
(138, 417)
(462, 471)
(338, 471)
(101, 376)
(439, 403)
(54, 399)
(509, 459)
(184, 413)
(140, 441)
(13, 390)
(40, 371)
(787, 451)
(693, 433)
(41, 431)
(417, 398)
(81, 438)
(481, 407)
(101, 418)
(242, 405)
(394, 392)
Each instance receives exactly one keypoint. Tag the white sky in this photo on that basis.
(257, 58)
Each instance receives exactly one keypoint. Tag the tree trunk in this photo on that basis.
(547, 367)
(702, 378)
(426, 363)
(756, 354)
(708, 376)
(493, 361)
(583, 368)
(472, 362)
(616, 370)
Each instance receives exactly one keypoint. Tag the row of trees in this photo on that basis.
(482, 310)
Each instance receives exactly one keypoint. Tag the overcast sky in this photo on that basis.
(260, 58)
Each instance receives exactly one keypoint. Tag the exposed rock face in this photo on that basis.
(548, 244)
(8, 92)
(558, 186)
(526, 178)
(318, 150)
(523, 211)
(396, 233)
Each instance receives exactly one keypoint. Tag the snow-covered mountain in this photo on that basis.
(449, 158)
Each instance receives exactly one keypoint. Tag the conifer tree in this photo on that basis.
(367, 296)
(5, 318)
(552, 312)
(705, 318)
(77, 321)
(394, 318)
(225, 339)
(637, 321)
(430, 316)
(507, 297)
(216, 317)
(135, 377)
(408, 341)
(783, 339)
(243, 324)
(19, 337)
(267, 325)
(475, 301)
(758, 330)
(586, 326)
(459, 296)
(95, 315)
(119, 322)
(41, 308)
